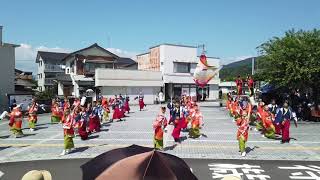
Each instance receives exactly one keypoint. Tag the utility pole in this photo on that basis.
(203, 48)
(252, 68)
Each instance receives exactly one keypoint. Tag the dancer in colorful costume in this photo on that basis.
(177, 129)
(82, 124)
(283, 118)
(126, 106)
(117, 112)
(273, 108)
(94, 122)
(32, 115)
(243, 131)
(15, 122)
(267, 120)
(56, 113)
(141, 101)
(259, 123)
(106, 110)
(250, 83)
(68, 132)
(159, 126)
(239, 84)
(196, 123)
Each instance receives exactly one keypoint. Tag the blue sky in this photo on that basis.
(230, 29)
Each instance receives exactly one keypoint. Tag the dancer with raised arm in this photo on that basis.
(159, 126)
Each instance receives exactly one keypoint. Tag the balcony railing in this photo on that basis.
(53, 68)
(49, 81)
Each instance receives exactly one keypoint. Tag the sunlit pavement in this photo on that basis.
(219, 140)
(217, 146)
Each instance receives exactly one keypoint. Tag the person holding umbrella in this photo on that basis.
(159, 126)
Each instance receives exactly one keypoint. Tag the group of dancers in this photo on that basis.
(78, 119)
(272, 121)
(185, 116)
(16, 116)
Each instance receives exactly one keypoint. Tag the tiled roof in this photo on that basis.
(50, 56)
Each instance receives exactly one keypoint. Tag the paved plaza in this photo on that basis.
(219, 140)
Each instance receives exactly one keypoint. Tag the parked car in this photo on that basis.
(43, 108)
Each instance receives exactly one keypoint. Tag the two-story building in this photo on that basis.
(71, 74)
(7, 73)
(50, 66)
(177, 64)
(81, 65)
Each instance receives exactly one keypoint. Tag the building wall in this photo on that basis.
(213, 92)
(7, 74)
(150, 93)
(169, 54)
(41, 71)
(143, 61)
(155, 59)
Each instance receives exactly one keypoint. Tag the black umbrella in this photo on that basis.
(136, 162)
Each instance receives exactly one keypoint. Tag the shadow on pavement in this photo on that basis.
(203, 135)
(183, 138)
(4, 147)
(93, 137)
(37, 128)
(45, 124)
(80, 149)
(27, 135)
(249, 149)
(106, 124)
(104, 130)
(170, 147)
(4, 137)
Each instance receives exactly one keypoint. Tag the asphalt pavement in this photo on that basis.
(204, 169)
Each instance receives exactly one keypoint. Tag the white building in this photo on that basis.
(177, 64)
(227, 86)
(49, 67)
(129, 82)
(7, 73)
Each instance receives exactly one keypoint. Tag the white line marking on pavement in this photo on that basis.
(29, 147)
(1, 174)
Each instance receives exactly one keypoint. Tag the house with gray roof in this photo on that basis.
(71, 74)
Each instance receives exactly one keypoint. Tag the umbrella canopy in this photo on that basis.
(136, 163)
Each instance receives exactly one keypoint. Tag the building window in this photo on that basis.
(179, 67)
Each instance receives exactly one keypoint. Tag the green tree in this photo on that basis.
(292, 61)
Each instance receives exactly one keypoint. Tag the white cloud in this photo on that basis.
(229, 60)
(26, 56)
(123, 53)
